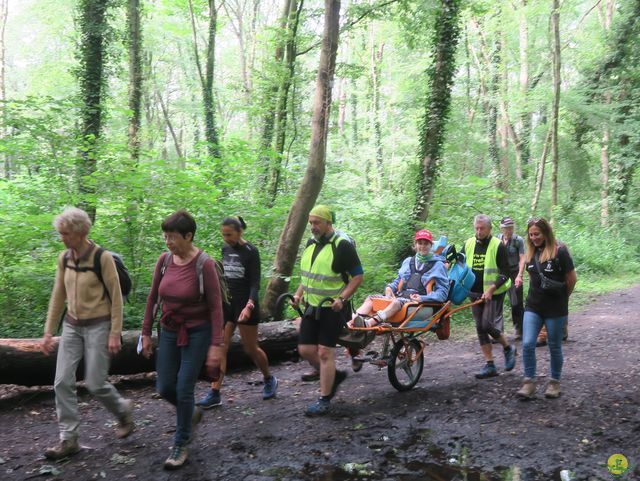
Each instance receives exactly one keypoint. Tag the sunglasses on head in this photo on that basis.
(533, 221)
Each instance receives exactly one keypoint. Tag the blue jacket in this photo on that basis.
(438, 272)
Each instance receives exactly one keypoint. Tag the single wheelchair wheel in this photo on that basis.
(405, 364)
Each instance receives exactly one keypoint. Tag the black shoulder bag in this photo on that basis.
(549, 286)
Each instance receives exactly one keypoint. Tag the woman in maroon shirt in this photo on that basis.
(191, 326)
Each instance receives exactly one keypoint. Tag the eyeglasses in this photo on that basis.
(170, 237)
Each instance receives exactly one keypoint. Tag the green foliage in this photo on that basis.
(41, 120)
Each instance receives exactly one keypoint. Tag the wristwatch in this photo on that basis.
(342, 299)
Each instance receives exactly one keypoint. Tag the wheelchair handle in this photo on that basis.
(284, 297)
(323, 301)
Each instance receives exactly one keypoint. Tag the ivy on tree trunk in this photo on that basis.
(92, 20)
(440, 77)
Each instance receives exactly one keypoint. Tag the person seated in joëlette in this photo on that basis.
(414, 275)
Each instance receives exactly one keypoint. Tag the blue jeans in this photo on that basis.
(178, 369)
(532, 324)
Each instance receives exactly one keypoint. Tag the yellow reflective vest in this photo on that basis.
(491, 272)
(319, 280)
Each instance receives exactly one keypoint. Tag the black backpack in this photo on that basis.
(123, 273)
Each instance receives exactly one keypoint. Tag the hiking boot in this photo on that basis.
(311, 376)
(527, 390)
(489, 370)
(196, 419)
(553, 389)
(125, 424)
(211, 400)
(510, 358)
(63, 449)
(270, 388)
(177, 458)
(356, 364)
(319, 408)
(340, 376)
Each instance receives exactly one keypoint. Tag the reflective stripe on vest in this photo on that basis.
(319, 280)
(491, 271)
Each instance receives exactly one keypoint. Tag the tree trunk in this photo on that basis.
(342, 105)
(311, 185)
(268, 121)
(605, 13)
(604, 191)
(493, 66)
(167, 119)
(441, 73)
(93, 24)
(524, 136)
(353, 100)
(134, 35)
(505, 124)
(237, 8)
(606, 134)
(540, 173)
(555, 27)
(376, 60)
(23, 363)
(4, 13)
(206, 82)
(283, 98)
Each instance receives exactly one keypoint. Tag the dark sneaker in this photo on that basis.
(356, 364)
(211, 400)
(311, 376)
(510, 354)
(340, 376)
(270, 388)
(125, 423)
(63, 449)
(489, 370)
(318, 408)
(177, 458)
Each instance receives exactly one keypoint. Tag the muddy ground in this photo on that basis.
(449, 427)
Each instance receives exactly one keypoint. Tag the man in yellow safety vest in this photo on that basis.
(329, 268)
(490, 263)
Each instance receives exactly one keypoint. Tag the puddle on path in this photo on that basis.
(424, 471)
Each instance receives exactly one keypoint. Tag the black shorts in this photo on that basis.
(232, 313)
(325, 330)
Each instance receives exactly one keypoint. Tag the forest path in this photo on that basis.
(449, 427)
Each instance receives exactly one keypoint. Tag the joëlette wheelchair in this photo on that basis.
(404, 336)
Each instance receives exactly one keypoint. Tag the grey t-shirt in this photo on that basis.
(515, 248)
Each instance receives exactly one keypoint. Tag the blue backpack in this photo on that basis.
(461, 277)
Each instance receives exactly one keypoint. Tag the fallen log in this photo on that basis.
(22, 362)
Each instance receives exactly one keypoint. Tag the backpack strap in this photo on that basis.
(97, 268)
(202, 258)
(165, 263)
(412, 265)
(344, 275)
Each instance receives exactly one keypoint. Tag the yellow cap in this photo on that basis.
(323, 212)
